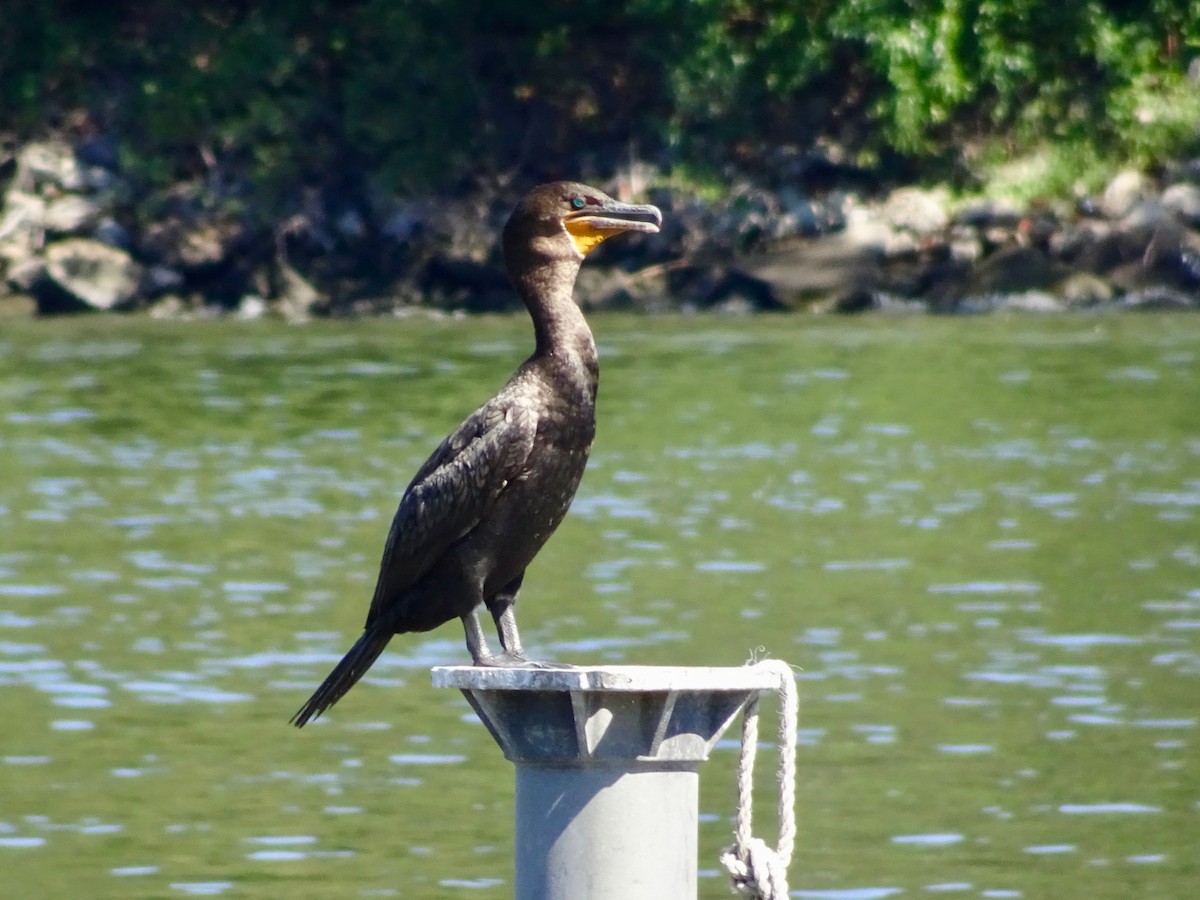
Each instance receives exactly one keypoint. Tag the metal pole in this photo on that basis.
(607, 770)
(605, 834)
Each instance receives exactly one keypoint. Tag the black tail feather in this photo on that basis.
(344, 676)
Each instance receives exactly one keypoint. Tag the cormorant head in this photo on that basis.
(566, 220)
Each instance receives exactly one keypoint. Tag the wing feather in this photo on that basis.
(453, 491)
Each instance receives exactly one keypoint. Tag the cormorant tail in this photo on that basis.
(344, 676)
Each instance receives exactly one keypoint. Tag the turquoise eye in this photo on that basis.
(577, 203)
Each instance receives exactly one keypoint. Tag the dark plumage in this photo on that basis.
(484, 503)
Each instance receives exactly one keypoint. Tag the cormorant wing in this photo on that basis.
(453, 491)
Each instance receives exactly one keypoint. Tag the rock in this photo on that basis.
(696, 287)
(26, 274)
(403, 223)
(972, 306)
(1083, 289)
(996, 237)
(110, 231)
(251, 307)
(735, 305)
(848, 302)
(350, 225)
(461, 283)
(185, 232)
(161, 280)
(799, 214)
(100, 276)
(1110, 251)
(98, 180)
(99, 151)
(899, 306)
(17, 306)
(1124, 192)
(1030, 301)
(1038, 228)
(1129, 277)
(1075, 240)
(1013, 270)
(933, 275)
(48, 163)
(297, 298)
(194, 248)
(608, 288)
(986, 214)
(71, 214)
(1172, 256)
(21, 226)
(831, 266)
(964, 244)
(1182, 170)
(169, 307)
(1184, 201)
(1144, 216)
(903, 244)
(866, 230)
(917, 210)
(1158, 298)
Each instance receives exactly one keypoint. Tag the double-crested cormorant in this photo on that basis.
(484, 503)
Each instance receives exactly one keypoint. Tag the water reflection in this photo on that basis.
(927, 840)
(202, 888)
(6, 841)
(471, 883)
(1046, 849)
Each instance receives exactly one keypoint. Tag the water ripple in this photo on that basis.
(22, 841)
(202, 888)
(1049, 849)
(986, 587)
(928, 840)
(1080, 641)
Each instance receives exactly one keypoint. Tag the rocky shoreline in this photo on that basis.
(76, 235)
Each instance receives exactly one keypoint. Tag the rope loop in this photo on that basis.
(757, 871)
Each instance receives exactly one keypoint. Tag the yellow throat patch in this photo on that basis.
(585, 236)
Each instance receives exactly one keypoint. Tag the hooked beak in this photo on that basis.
(590, 226)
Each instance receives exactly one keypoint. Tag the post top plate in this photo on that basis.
(679, 679)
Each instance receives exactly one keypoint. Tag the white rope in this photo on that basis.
(755, 870)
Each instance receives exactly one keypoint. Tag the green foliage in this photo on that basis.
(1044, 170)
(410, 95)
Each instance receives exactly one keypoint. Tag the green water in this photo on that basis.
(978, 540)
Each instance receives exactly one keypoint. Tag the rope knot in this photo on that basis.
(757, 871)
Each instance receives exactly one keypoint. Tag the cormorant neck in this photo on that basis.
(547, 288)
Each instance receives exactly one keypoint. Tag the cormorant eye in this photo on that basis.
(577, 202)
